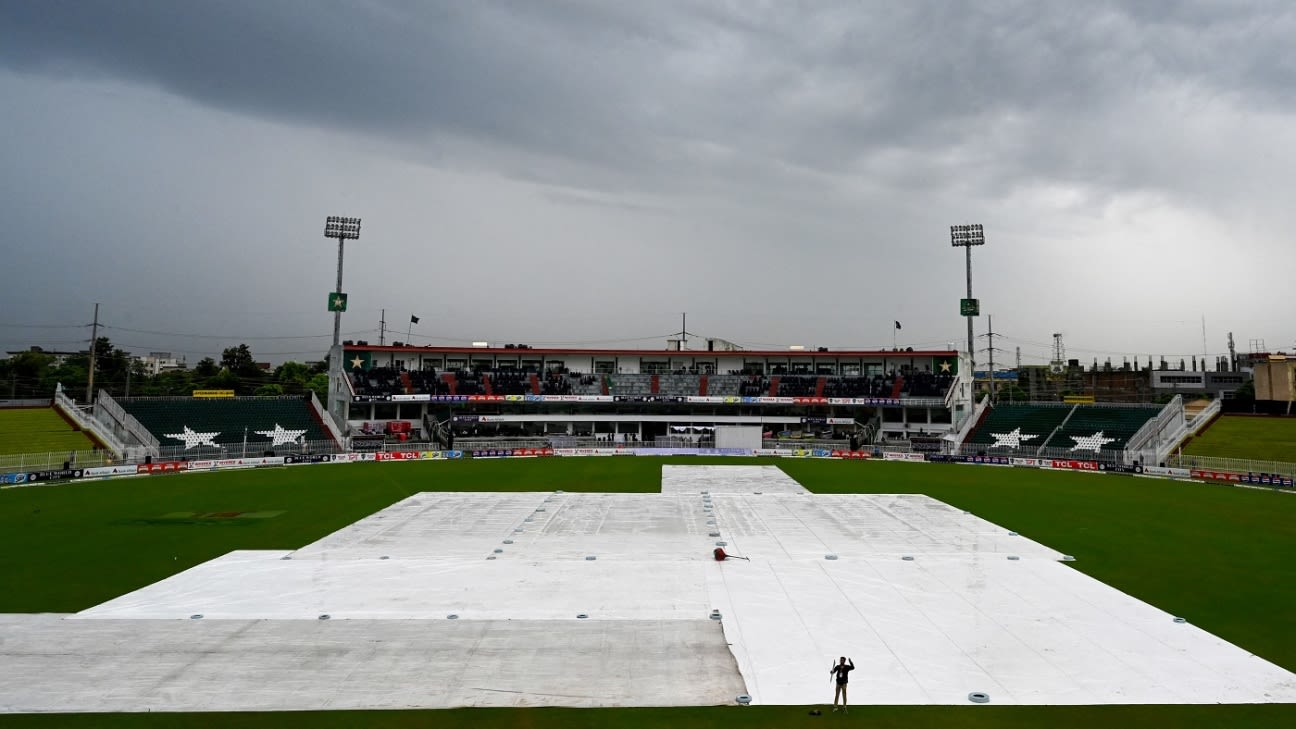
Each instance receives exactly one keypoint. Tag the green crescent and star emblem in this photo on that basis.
(337, 301)
(945, 365)
(359, 360)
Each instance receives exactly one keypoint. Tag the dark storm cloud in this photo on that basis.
(643, 91)
(717, 150)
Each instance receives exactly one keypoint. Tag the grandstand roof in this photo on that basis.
(655, 352)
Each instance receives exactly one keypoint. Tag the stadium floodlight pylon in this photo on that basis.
(966, 236)
(343, 229)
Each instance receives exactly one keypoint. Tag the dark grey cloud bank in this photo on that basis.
(785, 170)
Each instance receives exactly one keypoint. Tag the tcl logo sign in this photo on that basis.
(1076, 465)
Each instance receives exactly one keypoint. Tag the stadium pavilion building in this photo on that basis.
(641, 395)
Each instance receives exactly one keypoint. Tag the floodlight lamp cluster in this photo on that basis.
(342, 228)
(967, 235)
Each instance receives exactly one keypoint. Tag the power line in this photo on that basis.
(232, 337)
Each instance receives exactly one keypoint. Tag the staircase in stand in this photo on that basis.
(486, 384)
(406, 383)
(774, 383)
(897, 386)
(451, 382)
(655, 387)
(535, 384)
(702, 386)
(819, 386)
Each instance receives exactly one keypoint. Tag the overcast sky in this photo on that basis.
(572, 172)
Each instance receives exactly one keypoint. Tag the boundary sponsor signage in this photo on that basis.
(983, 460)
(57, 474)
(851, 455)
(1163, 471)
(162, 467)
(694, 399)
(911, 457)
(98, 471)
(1116, 468)
(512, 453)
(1070, 465)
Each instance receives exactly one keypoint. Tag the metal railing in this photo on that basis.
(1234, 465)
(53, 460)
(106, 405)
(68, 407)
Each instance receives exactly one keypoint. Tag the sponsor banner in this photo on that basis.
(958, 458)
(1255, 479)
(398, 456)
(213, 465)
(365, 444)
(1217, 475)
(851, 455)
(1112, 468)
(321, 458)
(1266, 479)
(99, 471)
(698, 399)
(441, 455)
(58, 474)
(162, 467)
(590, 451)
(841, 421)
(513, 453)
(213, 393)
(1029, 462)
(465, 418)
(13, 478)
(911, 457)
(1163, 471)
(1070, 465)
(771, 452)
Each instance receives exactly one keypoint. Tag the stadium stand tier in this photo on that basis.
(227, 419)
(1108, 428)
(39, 430)
(1033, 425)
(385, 381)
(1028, 429)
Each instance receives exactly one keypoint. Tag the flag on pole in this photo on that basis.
(898, 325)
(413, 319)
(337, 302)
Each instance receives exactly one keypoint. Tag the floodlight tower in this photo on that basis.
(343, 229)
(966, 236)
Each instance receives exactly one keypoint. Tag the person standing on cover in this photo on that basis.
(841, 672)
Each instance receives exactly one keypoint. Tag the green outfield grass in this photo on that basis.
(1258, 437)
(39, 430)
(1219, 556)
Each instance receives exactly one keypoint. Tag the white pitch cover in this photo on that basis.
(590, 599)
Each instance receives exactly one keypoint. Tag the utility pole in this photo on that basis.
(382, 328)
(94, 338)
